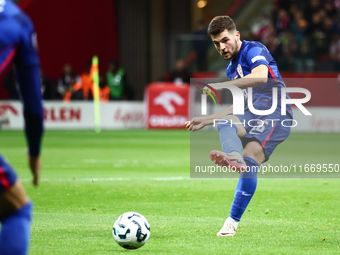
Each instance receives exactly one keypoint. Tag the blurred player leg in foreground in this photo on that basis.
(15, 213)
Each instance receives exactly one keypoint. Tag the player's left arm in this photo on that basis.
(257, 77)
(28, 74)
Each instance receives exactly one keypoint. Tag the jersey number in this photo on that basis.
(259, 129)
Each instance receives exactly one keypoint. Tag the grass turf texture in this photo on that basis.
(77, 203)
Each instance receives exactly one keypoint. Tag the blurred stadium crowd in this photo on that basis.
(302, 35)
(73, 86)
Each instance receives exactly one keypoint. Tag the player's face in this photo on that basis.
(227, 43)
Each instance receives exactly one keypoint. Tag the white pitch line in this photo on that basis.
(174, 178)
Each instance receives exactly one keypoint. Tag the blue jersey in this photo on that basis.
(18, 44)
(251, 55)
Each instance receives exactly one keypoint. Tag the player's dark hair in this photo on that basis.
(221, 23)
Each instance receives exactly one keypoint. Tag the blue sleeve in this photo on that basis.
(228, 71)
(28, 75)
(257, 55)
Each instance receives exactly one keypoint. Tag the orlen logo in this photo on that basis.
(165, 98)
(4, 108)
(168, 107)
(62, 114)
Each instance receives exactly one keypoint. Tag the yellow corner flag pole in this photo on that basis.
(95, 77)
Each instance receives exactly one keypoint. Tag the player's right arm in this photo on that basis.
(28, 74)
(198, 123)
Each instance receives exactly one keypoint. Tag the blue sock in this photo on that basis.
(228, 136)
(16, 232)
(245, 189)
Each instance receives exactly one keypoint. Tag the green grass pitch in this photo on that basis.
(89, 179)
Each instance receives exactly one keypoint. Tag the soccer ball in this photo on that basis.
(131, 230)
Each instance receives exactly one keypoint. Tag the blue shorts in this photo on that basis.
(7, 175)
(268, 130)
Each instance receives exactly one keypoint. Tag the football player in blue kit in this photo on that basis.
(18, 45)
(251, 66)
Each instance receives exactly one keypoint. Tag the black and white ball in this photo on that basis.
(131, 230)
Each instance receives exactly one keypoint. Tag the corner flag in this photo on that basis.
(95, 77)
